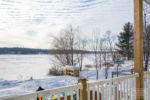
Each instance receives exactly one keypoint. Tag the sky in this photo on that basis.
(32, 23)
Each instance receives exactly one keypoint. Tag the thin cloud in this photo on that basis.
(20, 18)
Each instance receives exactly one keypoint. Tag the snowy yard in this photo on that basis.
(16, 71)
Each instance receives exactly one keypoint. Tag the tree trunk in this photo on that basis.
(72, 56)
(81, 61)
(146, 61)
(97, 74)
(117, 70)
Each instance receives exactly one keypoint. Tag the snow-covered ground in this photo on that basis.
(16, 71)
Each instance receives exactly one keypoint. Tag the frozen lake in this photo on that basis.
(23, 67)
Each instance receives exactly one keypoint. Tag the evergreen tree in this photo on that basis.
(125, 41)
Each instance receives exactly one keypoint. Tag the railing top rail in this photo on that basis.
(146, 72)
(19, 97)
(59, 90)
(113, 79)
(42, 93)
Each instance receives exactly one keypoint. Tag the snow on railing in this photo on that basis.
(122, 88)
(32, 96)
(65, 93)
(146, 85)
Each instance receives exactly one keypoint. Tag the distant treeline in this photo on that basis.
(75, 52)
(17, 50)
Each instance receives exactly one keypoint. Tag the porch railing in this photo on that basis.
(65, 93)
(122, 88)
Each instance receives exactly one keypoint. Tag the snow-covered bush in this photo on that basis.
(56, 71)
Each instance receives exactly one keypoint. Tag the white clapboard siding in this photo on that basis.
(146, 85)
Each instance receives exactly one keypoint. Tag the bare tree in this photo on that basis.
(105, 51)
(110, 40)
(100, 51)
(97, 48)
(64, 46)
(146, 11)
(81, 45)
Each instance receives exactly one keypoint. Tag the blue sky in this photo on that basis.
(31, 23)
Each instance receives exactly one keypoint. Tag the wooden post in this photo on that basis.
(138, 47)
(83, 92)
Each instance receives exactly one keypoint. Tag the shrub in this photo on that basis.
(56, 71)
(88, 66)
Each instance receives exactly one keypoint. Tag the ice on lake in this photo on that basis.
(23, 67)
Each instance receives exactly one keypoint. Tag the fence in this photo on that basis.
(122, 88)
